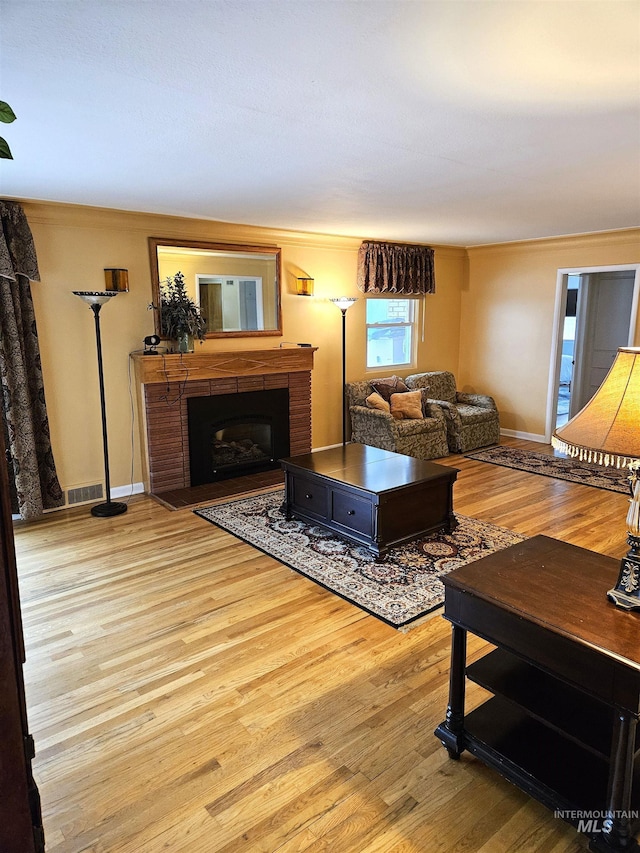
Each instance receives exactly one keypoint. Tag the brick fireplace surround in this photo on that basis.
(166, 381)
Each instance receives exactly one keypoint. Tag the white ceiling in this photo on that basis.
(459, 122)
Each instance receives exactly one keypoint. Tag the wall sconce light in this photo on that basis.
(304, 286)
(116, 280)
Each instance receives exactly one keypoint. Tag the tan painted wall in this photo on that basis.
(74, 245)
(490, 321)
(507, 318)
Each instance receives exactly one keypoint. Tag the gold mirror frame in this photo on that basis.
(272, 291)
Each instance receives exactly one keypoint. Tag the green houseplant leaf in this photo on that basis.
(5, 153)
(7, 115)
(179, 314)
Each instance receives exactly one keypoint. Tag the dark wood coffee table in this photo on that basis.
(374, 497)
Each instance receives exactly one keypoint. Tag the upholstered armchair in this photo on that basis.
(472, 419)
(424, 437)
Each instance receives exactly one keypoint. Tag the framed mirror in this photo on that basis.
(236, 287)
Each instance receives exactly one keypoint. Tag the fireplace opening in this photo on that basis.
(235, 434)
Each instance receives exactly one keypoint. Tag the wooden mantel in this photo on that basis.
(220, 365)
(166, 381)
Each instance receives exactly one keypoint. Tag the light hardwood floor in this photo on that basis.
(188, 693)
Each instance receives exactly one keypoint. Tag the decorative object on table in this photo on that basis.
(304, 286)
(180, 317)
(343, 303)
(400, 590)
(150, 344)
(559, 468)
(95, 301)
(607, 432)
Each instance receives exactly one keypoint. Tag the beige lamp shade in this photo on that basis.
(607, 429)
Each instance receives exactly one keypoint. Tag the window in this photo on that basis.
(390, 332)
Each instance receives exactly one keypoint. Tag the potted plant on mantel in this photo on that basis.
(180, 318)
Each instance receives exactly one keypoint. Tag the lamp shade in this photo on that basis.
(116, 279)
(607, 429)
(344, 302)
(304, 286)
(95, 297)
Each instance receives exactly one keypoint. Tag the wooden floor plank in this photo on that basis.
(189, 693)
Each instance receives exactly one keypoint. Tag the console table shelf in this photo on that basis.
(565, 677)
(572, 712)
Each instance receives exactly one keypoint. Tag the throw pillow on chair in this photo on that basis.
(407, 404)
(387, 387)
(376, 401)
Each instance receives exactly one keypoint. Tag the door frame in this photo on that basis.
(558, 325)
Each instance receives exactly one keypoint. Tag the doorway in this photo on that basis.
(231, 303)
(596, 312)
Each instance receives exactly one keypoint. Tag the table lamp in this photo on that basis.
(607, 431)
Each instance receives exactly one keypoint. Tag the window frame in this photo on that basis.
(411, 324)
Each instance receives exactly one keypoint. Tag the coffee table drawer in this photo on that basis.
(310, 497)
(352, 512)
(375, 498)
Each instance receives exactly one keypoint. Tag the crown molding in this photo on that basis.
(183, 228)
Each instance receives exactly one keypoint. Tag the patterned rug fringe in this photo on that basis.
(400, 590)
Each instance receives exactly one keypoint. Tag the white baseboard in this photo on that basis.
(127, 491)
(525, 436)
(118, 493)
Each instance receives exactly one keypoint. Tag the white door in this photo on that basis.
(605, 302)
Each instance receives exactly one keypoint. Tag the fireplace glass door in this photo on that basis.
(235, 434)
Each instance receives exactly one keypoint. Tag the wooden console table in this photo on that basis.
(376, 498)
(562, 723)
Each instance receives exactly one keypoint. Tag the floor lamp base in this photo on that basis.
(106, 510)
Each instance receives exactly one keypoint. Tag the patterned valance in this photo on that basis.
(396, 268)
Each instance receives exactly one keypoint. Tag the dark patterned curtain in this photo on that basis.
(33, 479)
(396, 268)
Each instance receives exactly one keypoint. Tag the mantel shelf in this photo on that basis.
(218, 365)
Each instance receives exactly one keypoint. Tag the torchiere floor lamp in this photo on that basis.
(344, 302)
(95, 300)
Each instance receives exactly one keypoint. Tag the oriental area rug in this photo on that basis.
(587, 473)
(399, 590)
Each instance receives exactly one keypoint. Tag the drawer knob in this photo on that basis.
(308, 497)
(351, 512)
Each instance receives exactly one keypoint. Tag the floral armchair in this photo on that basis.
(472, 419)
(424, 437)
